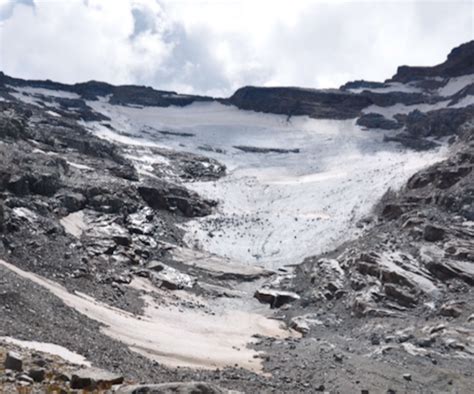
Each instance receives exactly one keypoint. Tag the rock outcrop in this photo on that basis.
(332, 104)
(460, 61)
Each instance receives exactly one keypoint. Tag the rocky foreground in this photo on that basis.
(93, 258)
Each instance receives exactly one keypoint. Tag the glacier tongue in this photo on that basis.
(310, 181)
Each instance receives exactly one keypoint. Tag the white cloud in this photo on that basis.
(213, 47)
(76, 40)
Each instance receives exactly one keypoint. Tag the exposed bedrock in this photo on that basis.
(175, 198)
(333, 104)
(120, 95)
(422, 130)
(460, 61)
(378, 121)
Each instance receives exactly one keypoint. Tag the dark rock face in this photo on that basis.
(52, 168)
(439, 123)
(421, 128)
(377, 121)
(147, 96)
(392, 98)
(174, 198)
(42, 184)
(121, 95)
(289, 101)
(460, 61)
(415, 143)
(443, 175)
(254, 149)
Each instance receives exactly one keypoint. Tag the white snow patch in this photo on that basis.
(74, 223)
(52, 113)
(391, 111)
(464, 102)
(27, 99)
(30, 91)
(456, 84)
(25, 213)
(49, 153)
(50, 348)
(79, 166)
(192, 339)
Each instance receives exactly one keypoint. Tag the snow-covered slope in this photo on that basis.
(309, 184)
(311, 198)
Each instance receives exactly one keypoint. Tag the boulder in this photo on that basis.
(175, 199)
(44, 184)
(140, 222)
(303, 324)
(37, 374)
(24, 379)
(392, 211)
(169, 277)
(399, 295)
(2, 217)
(433, 233)
(73, 201)
(175, 388)
(94, 379)
(18, 185)
(276, 298)
(124, 171)
(450, 310)
(14, 361)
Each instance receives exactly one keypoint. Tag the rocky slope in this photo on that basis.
(103, 199)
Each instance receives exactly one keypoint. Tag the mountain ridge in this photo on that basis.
(124, 227)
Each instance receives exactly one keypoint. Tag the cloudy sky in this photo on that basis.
(215, 46)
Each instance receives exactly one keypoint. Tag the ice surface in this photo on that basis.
(275, 208)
